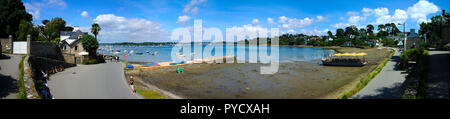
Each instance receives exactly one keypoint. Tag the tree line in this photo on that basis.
(15, 21)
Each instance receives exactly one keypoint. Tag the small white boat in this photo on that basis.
(155, 53)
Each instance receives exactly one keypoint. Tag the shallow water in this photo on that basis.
(286, 54)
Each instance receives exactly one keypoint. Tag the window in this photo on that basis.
(76, 48)
(65, 48)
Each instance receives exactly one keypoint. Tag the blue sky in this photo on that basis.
(153, 20)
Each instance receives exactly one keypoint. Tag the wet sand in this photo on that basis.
(296, 80)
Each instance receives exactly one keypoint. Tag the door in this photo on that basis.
(20, 48)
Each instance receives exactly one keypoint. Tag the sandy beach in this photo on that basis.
(295, 80)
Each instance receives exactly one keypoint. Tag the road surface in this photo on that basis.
(101, 81)
(388, 84)
(9, 75)
(439, 75)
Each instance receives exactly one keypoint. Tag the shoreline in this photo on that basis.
(210, 80)
(308, 46)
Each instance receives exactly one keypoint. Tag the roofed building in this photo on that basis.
(413, 40)
(71, 43)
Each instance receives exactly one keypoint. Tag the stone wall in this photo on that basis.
(29, 82)
(45, 49)
(36, 64)
(69, 58)
(446, 34)
(6, 44)
(413, 41)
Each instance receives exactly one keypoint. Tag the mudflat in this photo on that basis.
(294, 80)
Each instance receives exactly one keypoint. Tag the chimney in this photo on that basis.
(413, 31)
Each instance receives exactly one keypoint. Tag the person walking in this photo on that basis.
(133, 90)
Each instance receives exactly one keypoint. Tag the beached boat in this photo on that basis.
(346, 59)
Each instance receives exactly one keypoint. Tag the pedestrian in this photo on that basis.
(44, 76)
(133, 90)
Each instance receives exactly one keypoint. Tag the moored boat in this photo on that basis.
(346, 59)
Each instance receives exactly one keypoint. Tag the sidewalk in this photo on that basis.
(100, 81)
(9, 75)
(439, 75)
(389, 84)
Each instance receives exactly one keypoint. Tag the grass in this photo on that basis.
(150, 94)
(363, 83)
(21, 83)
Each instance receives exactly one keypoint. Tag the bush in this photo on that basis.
(95, 60)
(447, 47)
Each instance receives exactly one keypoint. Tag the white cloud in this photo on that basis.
(340, 25)
(352, 13)
(249, 28)
(367, 11)
(35, 7)
(121, 29)
(320, 18)
(282, 19)
(315, 32)
(374, 16)
(288, 25)
(192, 6)
(271, 21)
(85, 14)
(421, 10)
(355, 19)
(255, 21)
(182, 20)
(399, 16)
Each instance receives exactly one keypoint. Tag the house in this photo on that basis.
(71, 44)
(413, 40)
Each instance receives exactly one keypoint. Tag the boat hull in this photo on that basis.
(344, 64)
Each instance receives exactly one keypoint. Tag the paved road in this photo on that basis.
(389, 84)
(102, 81)
(9, 74)
(439, 75)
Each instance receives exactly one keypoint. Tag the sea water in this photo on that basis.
(137, 53)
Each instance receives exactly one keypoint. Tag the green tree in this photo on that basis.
(381, 27)
(25, 28)
(351, 31)
(395, 29)
(44, 22)
(370, 29)
(54, 28)
(68, 28)
(12, 12)
(340, 33)
(432, 29)
(95, 29)
(388, 28)
(90, 44)
(330, 34)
